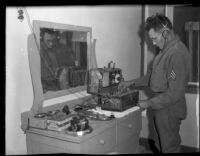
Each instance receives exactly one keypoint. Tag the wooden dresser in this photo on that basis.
(120, 135)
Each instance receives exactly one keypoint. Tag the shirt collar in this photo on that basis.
(170, 43)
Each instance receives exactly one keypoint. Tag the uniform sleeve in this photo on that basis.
(144, 80)
(176, 77)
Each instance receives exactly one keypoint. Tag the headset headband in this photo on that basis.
(164, 26)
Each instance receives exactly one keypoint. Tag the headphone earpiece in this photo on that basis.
(165, 33)
(165, 29)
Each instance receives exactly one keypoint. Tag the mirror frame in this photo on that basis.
(37, 24)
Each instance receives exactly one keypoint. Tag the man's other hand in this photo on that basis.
(124, 84)
(143, 104)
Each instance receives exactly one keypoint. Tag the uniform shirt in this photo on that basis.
(168, 77)
(51, 60)
(65, 55)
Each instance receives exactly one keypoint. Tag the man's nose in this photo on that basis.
(51, 44)
(154, 43)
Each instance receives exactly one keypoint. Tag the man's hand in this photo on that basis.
(124, 84)
(143, 104)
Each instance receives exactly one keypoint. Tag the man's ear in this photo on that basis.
(165, 33)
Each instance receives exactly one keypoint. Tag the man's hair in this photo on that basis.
(158, 22)
(46, 30)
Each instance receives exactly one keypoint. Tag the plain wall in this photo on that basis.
(114, 27)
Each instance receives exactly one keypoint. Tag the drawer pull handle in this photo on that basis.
(130, 126)
(102, 142)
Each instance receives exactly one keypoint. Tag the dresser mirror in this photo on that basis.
(64, 51)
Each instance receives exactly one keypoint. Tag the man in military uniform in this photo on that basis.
(56, 57)
(167, 79)
(49, 62)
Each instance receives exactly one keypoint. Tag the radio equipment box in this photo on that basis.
(77, 76)
(99, 78)
(103, 82)
(56, 122)
(119, 101)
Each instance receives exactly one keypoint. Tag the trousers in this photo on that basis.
(166, 131)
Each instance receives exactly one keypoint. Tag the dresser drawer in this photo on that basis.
(101, 143)
(129, 146)
(130, 125)
(39, 144)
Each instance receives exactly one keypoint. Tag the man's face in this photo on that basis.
(49, 40)
(156, 38)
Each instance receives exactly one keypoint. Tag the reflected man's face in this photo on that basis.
(49, 40)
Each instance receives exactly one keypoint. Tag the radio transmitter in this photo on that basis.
(103, 83)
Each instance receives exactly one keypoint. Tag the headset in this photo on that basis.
(165, 30)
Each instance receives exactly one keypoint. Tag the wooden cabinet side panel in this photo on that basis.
(38, 144)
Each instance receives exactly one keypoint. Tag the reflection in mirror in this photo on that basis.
(63, 58)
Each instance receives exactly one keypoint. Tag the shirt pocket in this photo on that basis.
(158, 80)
